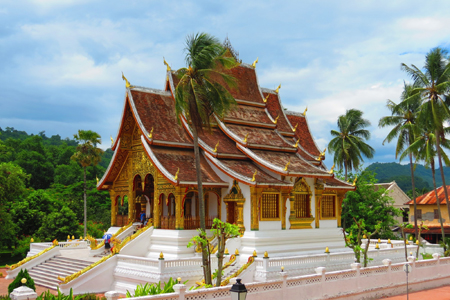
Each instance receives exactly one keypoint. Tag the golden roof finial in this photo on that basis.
(278, 89)
(354, 181)
(254, 176)
(276, 120)
(96, 179)
(246, 138)
(127, 83)
(267, 97)
(150, 135)
(254, 63)
(296, 144)
(167, 65)
(306, 109)
(323, 153)
(320, 158)
(215, 148)
(295, 128)
(287, 165)
(112, 141)
(176, 175)
(331, 170)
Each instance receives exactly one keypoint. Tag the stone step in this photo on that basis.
(56, 273)
(67, 264)
(52, 267)
(44, 279)
(73, 260)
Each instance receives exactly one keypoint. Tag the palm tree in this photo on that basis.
(404, 119)
(199, 96)
(432, 86)
(348, 143)
(424, 149)
(87, 155)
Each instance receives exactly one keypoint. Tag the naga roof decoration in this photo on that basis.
(255, 144)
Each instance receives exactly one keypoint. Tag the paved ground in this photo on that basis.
(442, 293)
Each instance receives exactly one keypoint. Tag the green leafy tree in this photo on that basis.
(58, 225)
(432, 86)
(373, 205)
(404, 120)
(354, 242)
(348, 143)
(87, 154)
(198, 96)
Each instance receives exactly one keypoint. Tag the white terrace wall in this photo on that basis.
(354, 283)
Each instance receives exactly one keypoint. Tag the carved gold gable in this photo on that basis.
(301, 186)
(235, 193)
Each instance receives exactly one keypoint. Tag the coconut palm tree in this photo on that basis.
(198, 97)
(432, 85)
(87, 155)
(424, 148)
(348, 143)
(404, 119)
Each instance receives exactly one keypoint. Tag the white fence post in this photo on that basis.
(23, 293)
(357, 267)
(161, 265)
(180, 289)
(437, 256)
(265, 263)
(112, 295)
(284, 276)
(321, 271)
(387, 262)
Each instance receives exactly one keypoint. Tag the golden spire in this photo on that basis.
(246, 138)
(323, 153)
(254, 63)
(295, 128)
(176, 175)
(276, 120)
(150, 135)
(287, 165)
(97, 179)
(306, 109)
(112, 141)
(320, 158)
(331, 170)
(354, 181)
(127, 83)
(267, 97)
(254, 176)
(167, 65)
(278, 89)
(296, 144)
(217, 145)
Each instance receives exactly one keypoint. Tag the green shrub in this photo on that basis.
(4, 297)
(17, 282)
(154, 289)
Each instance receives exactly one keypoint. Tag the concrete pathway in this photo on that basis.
(441, 293)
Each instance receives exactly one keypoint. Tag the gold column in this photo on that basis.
(240, 216)
(284, 197)
(292, 209)
(131, 207)
(156, 209)
(112, 196)
(179, 220)
(317, 195)
(255, 196)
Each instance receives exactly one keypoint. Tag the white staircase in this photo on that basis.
(46, 274)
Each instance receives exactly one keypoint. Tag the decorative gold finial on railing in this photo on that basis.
(226, 251)
(295, 128)
(266, 255)
(276, 120)
(410, 238)
(389, 241)
(81, 237)
(254, 176)
(150, 135)
(377, 246)
(364, 236)
(161, 255)
(31, 240)
(296, 144)
(179, 280)
(282, 269)
(215, 148)
(379, 240)
(278, 89)
(327, 250)
(112, 141)
(236, 252)
(354, 181)
(304, 113)
(331, 170)
(73, 237)
(68, 237)
(167, 65)
(287, 165)
(417, 242)
(254, 253)
(267, 98)
(254, 63)
(246, 138)
(127, 83)
(176, 176)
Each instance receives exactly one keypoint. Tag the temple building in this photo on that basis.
(261, 168)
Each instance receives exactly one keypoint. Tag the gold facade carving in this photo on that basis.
(234, 201)
(300, 187)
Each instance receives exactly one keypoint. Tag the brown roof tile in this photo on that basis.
(249, 113)
(430, 197)
(334, 182)
(157, 111)
(302, 132)
(226, 145)
(247, 168)
(259, 136)
(275, 110)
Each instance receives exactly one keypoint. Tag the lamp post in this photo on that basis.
(238, 290)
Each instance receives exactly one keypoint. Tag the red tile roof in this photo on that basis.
(274, 107)
(302, 132)
(226, 145)
(430, 197)
(259, 136)
(336, 183)
(249, 113)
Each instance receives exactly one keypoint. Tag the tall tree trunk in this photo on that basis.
(345, 168)
(438, 148)
(205, 250)
(413, 190)
(433, 172)
(85, 205)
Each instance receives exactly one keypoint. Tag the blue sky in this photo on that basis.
(61, 60)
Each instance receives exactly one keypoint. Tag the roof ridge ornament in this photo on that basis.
(304, 113)
(127, 83)
(354, 181)
(287, 165)
(296, 144)
(331, 170)
(246, 138)
(215, 148)
(267, 98)
(112, 141)
(254, 63)
(278, 89)
(167, 65)
(176, 175)
(150, 135)
(295, 128)
(276, 119)
(254, 176)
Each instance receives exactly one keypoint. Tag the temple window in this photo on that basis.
(302, 206)
(328, 207)
(436, 214)
(270, 207)
(171, 205)
(419, 214)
